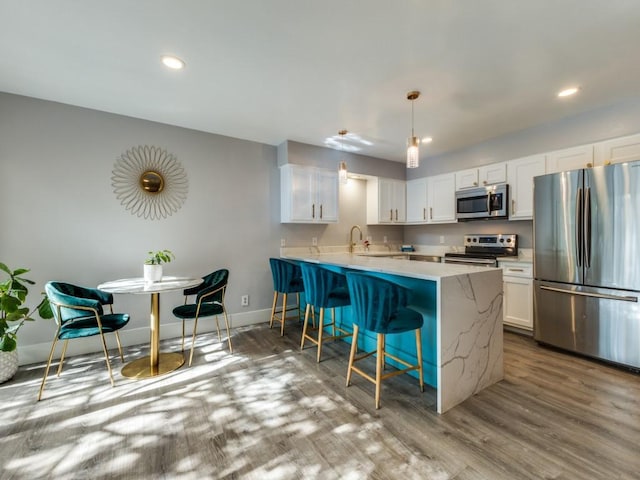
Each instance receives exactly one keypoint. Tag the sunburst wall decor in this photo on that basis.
(149, 182)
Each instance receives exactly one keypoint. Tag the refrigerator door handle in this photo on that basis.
(595, 295)
(587, 228)
(579, 226)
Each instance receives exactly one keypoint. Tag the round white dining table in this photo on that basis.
(155, 363)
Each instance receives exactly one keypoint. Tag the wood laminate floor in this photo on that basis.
(270, 411)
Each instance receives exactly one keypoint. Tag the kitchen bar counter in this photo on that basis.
(462, 309)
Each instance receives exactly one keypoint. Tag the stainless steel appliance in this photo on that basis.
(484, 249)
(587, 262)
(483, 203)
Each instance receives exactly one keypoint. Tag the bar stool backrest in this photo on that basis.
(287, 276)
(323, 287)
(375, 301)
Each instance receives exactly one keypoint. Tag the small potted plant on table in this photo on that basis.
(153, 265)
(13, 314)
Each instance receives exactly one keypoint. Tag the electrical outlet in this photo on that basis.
(244, 300)
(283, 242)
(384, 239)
(441, 238)
(314, 241)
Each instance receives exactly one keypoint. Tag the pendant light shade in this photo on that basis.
(413, 151)
(342, 171)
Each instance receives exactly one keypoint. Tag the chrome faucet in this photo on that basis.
(351, 242)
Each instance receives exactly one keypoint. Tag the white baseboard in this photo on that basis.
(36, 353)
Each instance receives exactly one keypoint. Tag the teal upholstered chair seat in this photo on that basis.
(209, 301)
(323, 289)
(78, 312)
(287, 280)
(380, 306)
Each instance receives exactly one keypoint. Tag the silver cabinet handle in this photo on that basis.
(515, 269)
(320, 211)
(424, 213)
(313, 210)
(595, 295)
(396, 214)
(391, 214)
(430, 213)
(513, 207)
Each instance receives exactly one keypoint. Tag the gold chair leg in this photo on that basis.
(333, 321)
(106, 357)
(64, 352)
(379, 358)
(273, 308)
(384, 349)
(304, 326)
(352, 353)
(419, 355)
(182, 336)
(226, 323)
(298, 303)
(218, 329)
(193, 339)
(320, 331)
(283, 316)
(119, 346)
(46, 370)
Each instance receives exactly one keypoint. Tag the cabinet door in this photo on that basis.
(441, 194)
(297, 194)
(417, 200)
(327, 187)
(518, 302)
(520, 173)
(570, 159)
(385, 200)
(618, 150)
(492, 174)
(466, 179)
(399, 203)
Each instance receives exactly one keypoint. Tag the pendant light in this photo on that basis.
(413, 153)
(342, 171)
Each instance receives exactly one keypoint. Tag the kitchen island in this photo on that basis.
(462, 310)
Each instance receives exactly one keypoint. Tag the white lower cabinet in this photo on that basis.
(517, 307)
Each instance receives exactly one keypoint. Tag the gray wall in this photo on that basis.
(62, 220)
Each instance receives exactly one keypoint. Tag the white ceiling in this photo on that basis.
(272, 70)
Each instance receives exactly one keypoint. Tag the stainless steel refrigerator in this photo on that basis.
(587, 262)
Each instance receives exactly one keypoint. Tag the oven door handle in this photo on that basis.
(489, 203)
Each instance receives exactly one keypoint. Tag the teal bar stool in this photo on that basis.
(323, 288)
(287, 279)
(380, 306)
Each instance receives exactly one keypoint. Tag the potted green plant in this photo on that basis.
(153, 264)
(13, 314)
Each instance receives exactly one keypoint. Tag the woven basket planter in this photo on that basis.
(8, 365)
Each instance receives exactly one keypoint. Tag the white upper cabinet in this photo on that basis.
(308, 195)
(466, 178)
(386, 201)
(417, 207)
(618, 150)
(520, 173)
(441, 198)
(481, 176)
(570, 159)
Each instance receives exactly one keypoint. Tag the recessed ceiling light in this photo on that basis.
(426, 140)
(172, 62)
(567, 92)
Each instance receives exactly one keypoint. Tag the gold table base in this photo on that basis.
(141, 368)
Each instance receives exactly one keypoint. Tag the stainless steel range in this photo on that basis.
(484, 249)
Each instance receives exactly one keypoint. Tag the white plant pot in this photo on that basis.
(152, 273)
(8, 365)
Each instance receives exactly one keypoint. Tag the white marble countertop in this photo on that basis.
(395, 266)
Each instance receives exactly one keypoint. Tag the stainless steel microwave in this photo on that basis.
(483, 203)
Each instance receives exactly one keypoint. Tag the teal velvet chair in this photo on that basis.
(287, 279)
(78, 313)
(380, 306)
(209, 301)
(323, 289)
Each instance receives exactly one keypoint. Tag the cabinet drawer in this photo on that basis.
(510, 269)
